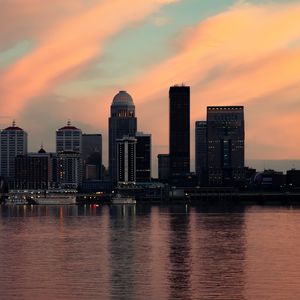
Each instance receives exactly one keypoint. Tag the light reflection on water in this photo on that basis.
(149, 252)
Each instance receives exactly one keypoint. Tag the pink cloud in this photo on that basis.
(67, 45)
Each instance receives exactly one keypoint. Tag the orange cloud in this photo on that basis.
(68, 45)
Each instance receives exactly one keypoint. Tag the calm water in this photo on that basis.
(152, 252)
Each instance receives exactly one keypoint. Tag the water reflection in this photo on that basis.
(222, 245)
(179, 253)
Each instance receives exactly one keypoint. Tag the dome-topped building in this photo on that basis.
(122, 122)
(122, 99)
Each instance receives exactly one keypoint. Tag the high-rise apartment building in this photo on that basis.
(69, 138)
(122, 122)
(126, 162)
(69, 169)
(225, 144)
(92, 156)
(179, 152)
(13, 142)
(143, 157)
(201, 150)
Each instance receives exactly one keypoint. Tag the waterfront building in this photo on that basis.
(293, 179)
(225, 145)
(34, 171)
(122, 122)
(69, 169)
(13, 142)
(126, 162)
(201, 151)
(143, 157)
(179, 137)
(69, 138)
(92, 156)
(163, 167)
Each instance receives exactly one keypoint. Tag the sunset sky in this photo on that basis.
(66, 59)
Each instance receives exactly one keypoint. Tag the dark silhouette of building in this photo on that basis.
(293, 179)
(225, 145)
(126, 163)
(201, 151)
(163, 167)
(143, 157)
(179, 143)
(34, 171)
(122, 122)
(92, 156)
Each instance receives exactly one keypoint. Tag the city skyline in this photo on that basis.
(191, 42)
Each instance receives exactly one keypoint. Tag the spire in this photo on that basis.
(69, 122)
(14, 123)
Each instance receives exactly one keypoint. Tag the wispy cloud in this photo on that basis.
(66, 47)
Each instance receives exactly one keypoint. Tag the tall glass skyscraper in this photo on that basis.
(179, 130)
(122, 122)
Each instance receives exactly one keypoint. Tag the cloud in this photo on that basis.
(66, 47)
(245, 55)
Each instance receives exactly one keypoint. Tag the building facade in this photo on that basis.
(92, 156)
(34, 171)
(163, 167)
(69, 138)
(201, 151)
(225, 145)
(126, 162)
(69, 168)
(143, 157)
(122, 122)
(13, 142)
(179, 138)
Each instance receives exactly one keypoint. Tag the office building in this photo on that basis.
(225, 145)
(13, 142)
(34, 171)
(163, 167)
(92, 156)
(179, 143)
(69, 138)
(126, 162)
(122, 122)
(143, 157)
(201, 151)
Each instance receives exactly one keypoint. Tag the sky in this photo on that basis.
(65, 60)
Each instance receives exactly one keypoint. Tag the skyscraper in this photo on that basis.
(143, 157)
(126, 160)
(226, 144)
(201, 150)
(92, 156)
(122, 122)
(13, 142)
(179, 130)
(68, 138)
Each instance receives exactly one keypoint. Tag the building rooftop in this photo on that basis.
(122, 99)
(13, 127)
(68, 127)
